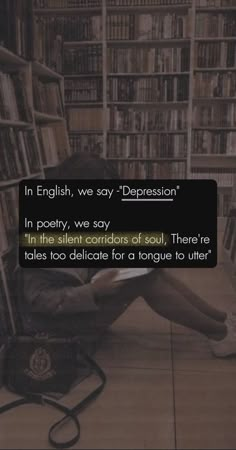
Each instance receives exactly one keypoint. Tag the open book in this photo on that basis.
(123, 274)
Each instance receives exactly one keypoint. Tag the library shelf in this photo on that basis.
(83, 75)
(43, 71)
(11, 59)
(213, 161)
(82, 104)
(67, 11)
(180, 104)
(16, 181)
(145, 74)
(215, 69)
(145, 132)
(151, 8)
(216, 39)
(214, 99)
(218, 9)
(15, 124)
(46, 118)
(214, 128)
(173, 159)
(75, 132)
(149, 42)
(129, 43)
(75, 44)
(5, 252)
(230, 268)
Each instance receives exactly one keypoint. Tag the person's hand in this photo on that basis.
(105, 285)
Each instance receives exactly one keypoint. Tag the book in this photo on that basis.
(15, 26)
(123, 274)
(47, 97)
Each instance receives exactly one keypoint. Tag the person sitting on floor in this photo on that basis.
(64, 301)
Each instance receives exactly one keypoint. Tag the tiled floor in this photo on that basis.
(165, 390)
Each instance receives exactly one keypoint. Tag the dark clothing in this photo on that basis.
(61, 302)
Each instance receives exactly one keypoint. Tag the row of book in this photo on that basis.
(44, 33)
(132, 120)
(11, 296)
(149, 60)
(163, 88)
(14, 102)
(215, 54)
(214, 143)
(16, 26)
(74, 27)
(147, 26)
(84, 90)
(96, 3)
(4, 328)
(128, 119)
(147, 146)
(208, 55)
(230, 230)
(224, 205)
(83, 60)
(53, 144)
(230, 238)
(136, 60)
(85, 119)
(207, 84)
(9, 217)
(118, 27)
(47, 97)
(214, 3)
(19, 154)
(223, 177)
(218, 115)
(151, 170)
(66, 3)
(155, 146)
(148, 2)
(215, 25)
(86, 143)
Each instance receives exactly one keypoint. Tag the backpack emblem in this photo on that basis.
(40, 365)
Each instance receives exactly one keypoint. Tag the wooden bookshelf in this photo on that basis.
(11, 59)
(211, 31)
(116, 49)
(230, 239)
(46, 118)
(26, 136)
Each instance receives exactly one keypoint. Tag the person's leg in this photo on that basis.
(171, 302)
(163, 295)
(194, 299)
(165, 299)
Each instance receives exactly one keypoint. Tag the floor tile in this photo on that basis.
(140, 338)
(191, 352)
(205, 410)
(134, 411)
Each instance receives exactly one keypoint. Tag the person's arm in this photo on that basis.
(44, 293)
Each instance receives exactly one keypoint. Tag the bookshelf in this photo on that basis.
(214, 126)
(151, 85)
(33, 139)
(16, 27)
(230, 239)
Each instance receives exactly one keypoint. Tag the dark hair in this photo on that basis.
(83, 166)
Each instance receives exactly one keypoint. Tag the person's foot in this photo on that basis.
(227, 346)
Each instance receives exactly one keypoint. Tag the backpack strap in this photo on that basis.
(69, 413)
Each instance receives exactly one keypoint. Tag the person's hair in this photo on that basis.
(83, 166)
